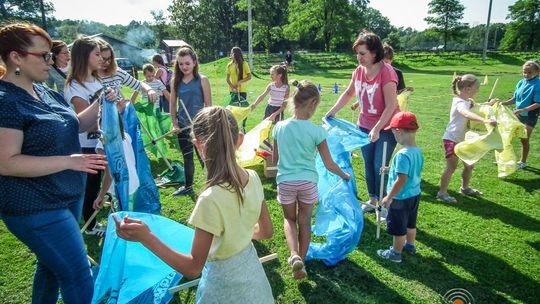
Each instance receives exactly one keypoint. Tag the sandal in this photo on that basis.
(470, 192)
(296, 263)
(447, 198)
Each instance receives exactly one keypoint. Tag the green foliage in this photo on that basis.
(330, 22)
(523, 33)
(269, 17)
(445, 19)
(26, 10)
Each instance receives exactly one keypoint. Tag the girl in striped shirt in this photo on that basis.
(279, 92)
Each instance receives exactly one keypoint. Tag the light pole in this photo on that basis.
(250, 37)
(487, 34)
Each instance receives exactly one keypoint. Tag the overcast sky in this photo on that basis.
(406, 13)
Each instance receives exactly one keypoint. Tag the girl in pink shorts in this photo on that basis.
(296, 142)
(465, 88)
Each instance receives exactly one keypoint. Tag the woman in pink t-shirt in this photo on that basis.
(374, 84)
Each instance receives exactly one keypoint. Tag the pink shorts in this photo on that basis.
(297, 191)
(449, 148)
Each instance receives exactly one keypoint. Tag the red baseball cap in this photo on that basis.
(403, 120)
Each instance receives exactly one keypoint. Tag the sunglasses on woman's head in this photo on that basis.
(45, 55)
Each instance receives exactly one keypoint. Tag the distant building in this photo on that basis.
(171, 47)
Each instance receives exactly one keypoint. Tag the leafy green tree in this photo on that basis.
(376, 22)
(445, 18)
(159, 25)
(524, 31)
(393, 39)
(25, 10)
(269, 18)
(327, 21)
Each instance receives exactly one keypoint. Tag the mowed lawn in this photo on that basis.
(487, 245)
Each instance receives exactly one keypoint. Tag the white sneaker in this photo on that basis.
(383, 214)
(521, 165)
(367, 207)
(98, 230)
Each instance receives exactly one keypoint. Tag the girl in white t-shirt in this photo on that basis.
(83, 88)
(279, 92)
(465, 88)
(229, 213)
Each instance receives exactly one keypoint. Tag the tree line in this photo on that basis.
(214, 26)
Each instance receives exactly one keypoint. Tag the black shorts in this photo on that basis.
(530, 120)
(402, 215)
(271, 110)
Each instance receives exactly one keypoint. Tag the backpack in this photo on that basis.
(167, 82)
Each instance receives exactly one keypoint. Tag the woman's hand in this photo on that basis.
(373, 135)
(89, 163)
(355, 105)
(132, 229)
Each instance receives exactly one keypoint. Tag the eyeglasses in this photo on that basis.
(106, 59)
(45, 55)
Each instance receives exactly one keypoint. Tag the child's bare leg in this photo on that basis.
(399, 242)
(451, 165)
(304, 227)
(466, 175)
(289, 223)
(411, 236)
(525, 145)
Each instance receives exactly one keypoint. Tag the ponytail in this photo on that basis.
(463, 81)
(217, 129)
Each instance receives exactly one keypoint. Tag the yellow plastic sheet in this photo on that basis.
(403, 101)
(239, 112)
(247, 153)
(484, 138)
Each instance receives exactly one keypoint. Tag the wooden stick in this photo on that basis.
(493, 89)
(196, 281)
(381, 191)
(90, 220)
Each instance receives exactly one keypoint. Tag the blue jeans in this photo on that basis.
(61, 256)
(372, 154)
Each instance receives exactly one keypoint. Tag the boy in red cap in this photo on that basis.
(403, 188)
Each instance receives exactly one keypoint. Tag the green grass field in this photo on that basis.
(487, 245)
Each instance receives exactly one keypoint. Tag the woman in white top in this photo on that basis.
(279, 93)
(83, 88)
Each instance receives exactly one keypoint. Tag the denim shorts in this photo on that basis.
(402, 215)
(530, 120)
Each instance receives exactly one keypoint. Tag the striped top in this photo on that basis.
(119, 79)
(277, 95)
(155, 85)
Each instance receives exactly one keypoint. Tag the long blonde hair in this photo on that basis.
(217, 129)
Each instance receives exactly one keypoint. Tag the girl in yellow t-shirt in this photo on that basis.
(229, 213)
(238, 73)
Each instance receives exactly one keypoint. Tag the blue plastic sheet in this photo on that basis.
(339, 218)
(112, 144)
(130, 273)
(147, 196)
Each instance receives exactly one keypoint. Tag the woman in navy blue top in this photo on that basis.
(190, 92)
(41, 180)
